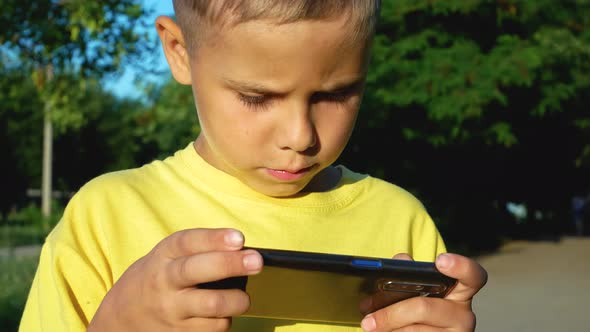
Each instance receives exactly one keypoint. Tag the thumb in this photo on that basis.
(471, 276)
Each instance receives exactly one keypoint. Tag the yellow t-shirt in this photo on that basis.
(119, 217)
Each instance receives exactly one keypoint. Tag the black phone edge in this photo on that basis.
(336, 263)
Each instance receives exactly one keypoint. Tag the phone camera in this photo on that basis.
(400, 286)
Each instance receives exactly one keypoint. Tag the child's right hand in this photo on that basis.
(158, 293)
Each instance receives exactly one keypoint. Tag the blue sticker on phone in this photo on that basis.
(370, 263)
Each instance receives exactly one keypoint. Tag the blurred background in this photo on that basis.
(478, 107)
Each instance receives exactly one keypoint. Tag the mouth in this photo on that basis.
(289, 175)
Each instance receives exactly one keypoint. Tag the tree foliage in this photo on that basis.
(104, 141)
(65, 47)
(20, 136)
(473, 103)
(463, 65)
(87, 40)
(91, 37)
(169, 122)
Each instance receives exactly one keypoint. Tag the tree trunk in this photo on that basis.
(46, 186)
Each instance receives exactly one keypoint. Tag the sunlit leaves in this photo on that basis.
(459, 65)
(78, 41)
(170, 120)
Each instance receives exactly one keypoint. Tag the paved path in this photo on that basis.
(32, 250)
(536, 287)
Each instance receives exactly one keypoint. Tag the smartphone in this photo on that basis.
(331, 288)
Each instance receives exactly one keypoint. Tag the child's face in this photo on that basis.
(277, 103)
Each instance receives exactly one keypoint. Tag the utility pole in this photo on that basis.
(47, 153)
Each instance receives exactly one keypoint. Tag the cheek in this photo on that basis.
(334, 126)
(236, 127)
(218, 113)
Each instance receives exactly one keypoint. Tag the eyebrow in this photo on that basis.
(350, 85)
(254, 87)
(247, 86)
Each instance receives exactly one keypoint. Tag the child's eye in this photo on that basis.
(339, 96)
(258, 102)
(335, 97)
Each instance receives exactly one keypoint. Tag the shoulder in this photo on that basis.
(99, 195)
(148, 177)
(402, 221)
(120, 187)
(105, 199)
(113, 182)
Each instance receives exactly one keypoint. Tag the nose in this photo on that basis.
(298, 132)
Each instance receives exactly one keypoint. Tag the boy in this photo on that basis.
(277, 87)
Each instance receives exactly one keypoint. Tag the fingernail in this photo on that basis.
(368, 323)
(443, 261)
(234, 239)
(252, 262)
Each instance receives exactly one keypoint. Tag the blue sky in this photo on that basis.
(124, 86)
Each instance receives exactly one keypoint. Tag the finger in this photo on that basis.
(193, 241)
(418, 328)
(470, 275)
(403, 256)
(188, 271)
(436, 312)
(207, 324)
(209, 303)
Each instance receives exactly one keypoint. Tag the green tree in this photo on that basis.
(169, 121)
(105, 141)
(480, 102)
(459, 63)
(55, 40)
(20, 137)
(88, 40)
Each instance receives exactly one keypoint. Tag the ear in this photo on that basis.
(174, 49)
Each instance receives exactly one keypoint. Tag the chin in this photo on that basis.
(282, 190)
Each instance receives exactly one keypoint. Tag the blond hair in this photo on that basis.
(197, 18)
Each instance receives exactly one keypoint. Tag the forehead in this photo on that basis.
(265, 41)
(309, 51)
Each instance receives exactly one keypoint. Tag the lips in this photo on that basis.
(289, 175)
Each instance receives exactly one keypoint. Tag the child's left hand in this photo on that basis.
(453, 313)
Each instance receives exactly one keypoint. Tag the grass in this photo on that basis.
(22, 228)
(14, 236)
(15, 281)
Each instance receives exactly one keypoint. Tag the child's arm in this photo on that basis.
(453, 313)
(158, 293)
